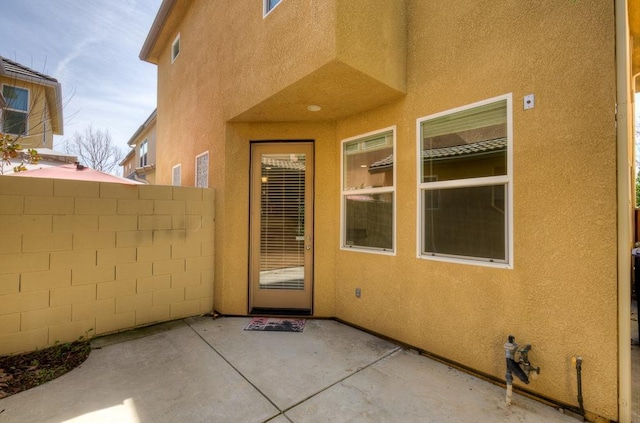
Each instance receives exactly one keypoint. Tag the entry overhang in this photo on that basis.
(339, 89)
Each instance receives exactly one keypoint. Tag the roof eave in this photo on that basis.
(142, 127)
(53, 92)
(156, 28)
(129, 155)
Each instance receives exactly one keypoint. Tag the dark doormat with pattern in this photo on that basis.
(276, 325)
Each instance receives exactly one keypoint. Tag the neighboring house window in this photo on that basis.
(176, 176)
(202, 170)
(143, 153)
(368, 192)
(269, 5)
(16, 114)
(175, 48)
(465, 183)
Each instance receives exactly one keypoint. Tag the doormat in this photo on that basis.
(276, 325)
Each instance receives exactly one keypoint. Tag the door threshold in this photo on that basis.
(280, 311)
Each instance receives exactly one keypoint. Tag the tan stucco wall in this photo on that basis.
(84, 258)
(560, 295)
(39, 131)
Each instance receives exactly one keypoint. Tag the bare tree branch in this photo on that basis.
(94, 149)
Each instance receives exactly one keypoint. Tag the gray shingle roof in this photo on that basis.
(9, 66)
(482, 147)
(283, 164)
(380, 164)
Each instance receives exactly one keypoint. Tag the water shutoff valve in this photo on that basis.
(520, 367)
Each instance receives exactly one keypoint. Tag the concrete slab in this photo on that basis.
(280, 419)
(202, 369)
(407, 387)
(290, 367)
(171, 376)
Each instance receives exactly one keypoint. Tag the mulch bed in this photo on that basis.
(24, 371)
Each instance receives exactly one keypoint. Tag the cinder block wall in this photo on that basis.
(84, 258)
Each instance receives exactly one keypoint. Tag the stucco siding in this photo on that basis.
(240, 78)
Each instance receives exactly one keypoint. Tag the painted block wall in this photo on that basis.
(82, 258)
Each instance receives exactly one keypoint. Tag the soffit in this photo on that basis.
(338, 88)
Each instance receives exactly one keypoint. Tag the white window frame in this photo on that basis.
(176, 42)
(265, 7)
(379, 190)
(144, 156)
(178, 182)
(506, 180)
(26, 112)
(206, 185)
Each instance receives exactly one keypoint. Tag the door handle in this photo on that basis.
(308, 247)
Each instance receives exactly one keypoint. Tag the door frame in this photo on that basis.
(280, 302)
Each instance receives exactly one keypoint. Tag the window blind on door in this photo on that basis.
(282, 221)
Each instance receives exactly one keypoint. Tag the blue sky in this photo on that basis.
(91, 47)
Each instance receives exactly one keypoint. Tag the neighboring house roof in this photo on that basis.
(53, 89)
(9, 66)
(283, 164)
(473, 149)
(130, 155)
(142, 127)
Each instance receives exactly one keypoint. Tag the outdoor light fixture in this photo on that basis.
(314, 108)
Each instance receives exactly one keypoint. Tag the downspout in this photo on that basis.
(44, 126)
(624, 118)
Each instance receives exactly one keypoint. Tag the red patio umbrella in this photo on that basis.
(75, 172)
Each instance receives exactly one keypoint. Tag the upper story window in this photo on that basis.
(368, 192)
(175, 48)
(16, 115)
(176, 175)
(269, 5)
(465, 184)
(202, 170)
(143, 153)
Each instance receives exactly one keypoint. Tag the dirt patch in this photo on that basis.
(24, 371)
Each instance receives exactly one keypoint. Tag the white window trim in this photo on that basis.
(491, 180)
(173, 44)
(144, 144)
(26, 129)
(381, 190)
(195, 182)
(179, 167)
(265, 8)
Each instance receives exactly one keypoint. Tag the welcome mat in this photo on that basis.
(276, 325)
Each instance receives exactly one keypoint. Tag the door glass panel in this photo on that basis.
(282, 237)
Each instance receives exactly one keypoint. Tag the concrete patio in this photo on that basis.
(205, 370)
